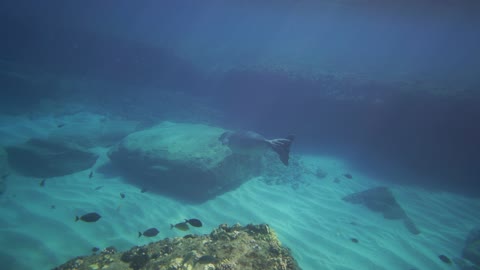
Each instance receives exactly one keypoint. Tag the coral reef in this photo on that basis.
(250, 247)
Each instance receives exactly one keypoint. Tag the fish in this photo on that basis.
(42, 183)
(122, 195)
(347, 175)
(444, 259)
(206, 259)
(90, 217)
(99, 187)
(251, 143)
(149, 233)
(52, 206)
(61, 125)
(143, 190)
(354, 240)
(95, 249)
(194, 222)
(5, 176)
(182, 226)
(90, 175)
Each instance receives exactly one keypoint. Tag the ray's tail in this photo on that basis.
(282, 147)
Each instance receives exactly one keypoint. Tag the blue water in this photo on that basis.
(383, 90)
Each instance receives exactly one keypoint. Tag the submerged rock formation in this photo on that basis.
(185, 161)
(47, 158)
(471, 251)
(381, 199)
(252, 247)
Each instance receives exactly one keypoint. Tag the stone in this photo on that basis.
(184, 161)
(381, 199)
(250, 247)
(471, 251)
(43, 158)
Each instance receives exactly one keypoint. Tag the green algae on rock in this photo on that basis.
(248, 247)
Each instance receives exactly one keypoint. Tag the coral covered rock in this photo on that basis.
(252, 247)
(185, 161)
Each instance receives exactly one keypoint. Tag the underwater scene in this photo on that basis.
(238, 135)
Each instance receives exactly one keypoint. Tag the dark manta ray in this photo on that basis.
(249, 142)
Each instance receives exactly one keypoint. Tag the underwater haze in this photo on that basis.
(363, 119)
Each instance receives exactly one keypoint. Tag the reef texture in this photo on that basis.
(184, 161)
(252, 247)
(471, 251)
(381, 199)
(45, 158)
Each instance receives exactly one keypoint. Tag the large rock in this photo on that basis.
(3, 170)
(185, 161)
(45, 158)
(252, 247)
(381, 199)
(471, 251)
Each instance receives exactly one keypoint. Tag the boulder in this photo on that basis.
(471, 251)
(185, 161)
(43, 158)
(3, 170)
(91, 130)
(381, 199)
(251, 247)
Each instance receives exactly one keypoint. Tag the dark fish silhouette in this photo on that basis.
(99, 187)
(249, 142)
(149, 233)
(354, 240)
(445, 259)
(206, 259)
(143, 190)
(194, 222)
(61, 125)
(95, 249)
(90, 217)
(90, 175)
(122, 195)
(52, 206)
(182, 226)
(42, 183)
(347, 175)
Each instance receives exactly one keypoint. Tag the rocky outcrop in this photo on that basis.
(381, 199)
(185, 161)
(251, 247)
(471, 251)
(47, 158)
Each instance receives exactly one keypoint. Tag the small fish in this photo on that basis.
(5, 176)
(182, 226)
(354, 240)
(206, 259)
(194, 222)
(61, 125)
(444, 259)
(95, 249)
(122, 195)
(52, 206)
(42, 183)
(90, 217)
(149, 233)
(99, 187)
(143, 190)
(347, 175)
(90, 175)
